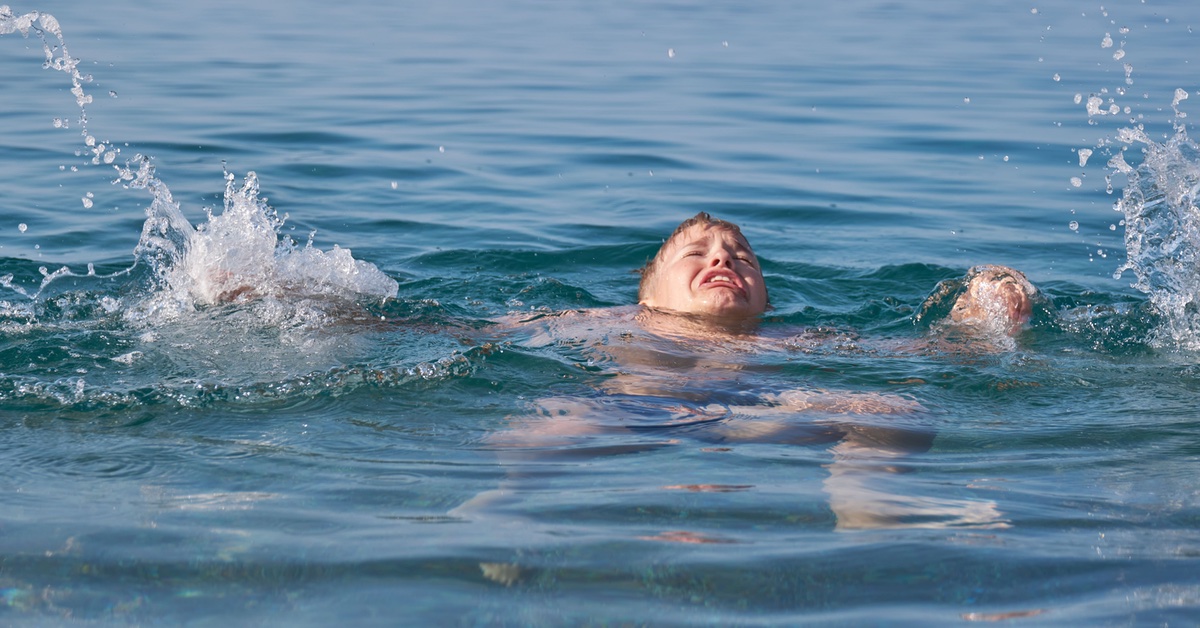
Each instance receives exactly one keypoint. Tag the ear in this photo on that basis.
(646, 292)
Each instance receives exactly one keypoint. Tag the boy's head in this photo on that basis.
(705, 268)
(997, 295)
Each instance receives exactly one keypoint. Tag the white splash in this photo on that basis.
(235, 255)
(238, 255)
(57, 55)
(1162, 232)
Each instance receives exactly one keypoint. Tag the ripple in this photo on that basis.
(425, 518)
(396, 477)
(310, 526)
(124, 461)
(216, 501)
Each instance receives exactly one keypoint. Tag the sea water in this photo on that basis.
(259, 266)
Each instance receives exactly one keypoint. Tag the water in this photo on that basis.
(358, 438)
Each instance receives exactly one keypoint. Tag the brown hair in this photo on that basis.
(703, 218)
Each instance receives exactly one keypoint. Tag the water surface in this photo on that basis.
(361, 443)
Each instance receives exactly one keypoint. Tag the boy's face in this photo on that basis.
(709, 271)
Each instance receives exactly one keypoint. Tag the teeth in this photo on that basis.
(720, 278)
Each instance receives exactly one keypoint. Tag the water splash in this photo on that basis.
(227, 308)
(1158, 204)
(57, 56)
(46, 28)
(235, 255)
(1162, 231)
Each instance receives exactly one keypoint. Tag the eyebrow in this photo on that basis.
(706, 240)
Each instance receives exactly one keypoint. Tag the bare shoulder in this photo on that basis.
(546, 327)
(538, 317)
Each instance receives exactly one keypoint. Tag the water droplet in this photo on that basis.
(22, 227)
(1084, 153)
(395, 184)
(112, 94)
(1180, 96)
(1076, 182)
(1073, 226)
(670, 53)
(1057, 78)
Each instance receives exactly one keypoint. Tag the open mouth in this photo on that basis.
(722, 280)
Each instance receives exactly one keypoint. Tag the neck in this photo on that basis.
(667, 322)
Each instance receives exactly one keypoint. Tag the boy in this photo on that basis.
(686, 365)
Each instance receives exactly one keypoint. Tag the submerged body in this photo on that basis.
(691, 352)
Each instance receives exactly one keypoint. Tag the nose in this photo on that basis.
(719, 258)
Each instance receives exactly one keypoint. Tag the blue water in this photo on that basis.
(367, 439)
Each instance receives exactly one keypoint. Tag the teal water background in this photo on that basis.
(236, 465)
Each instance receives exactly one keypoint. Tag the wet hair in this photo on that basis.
(703, 218)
